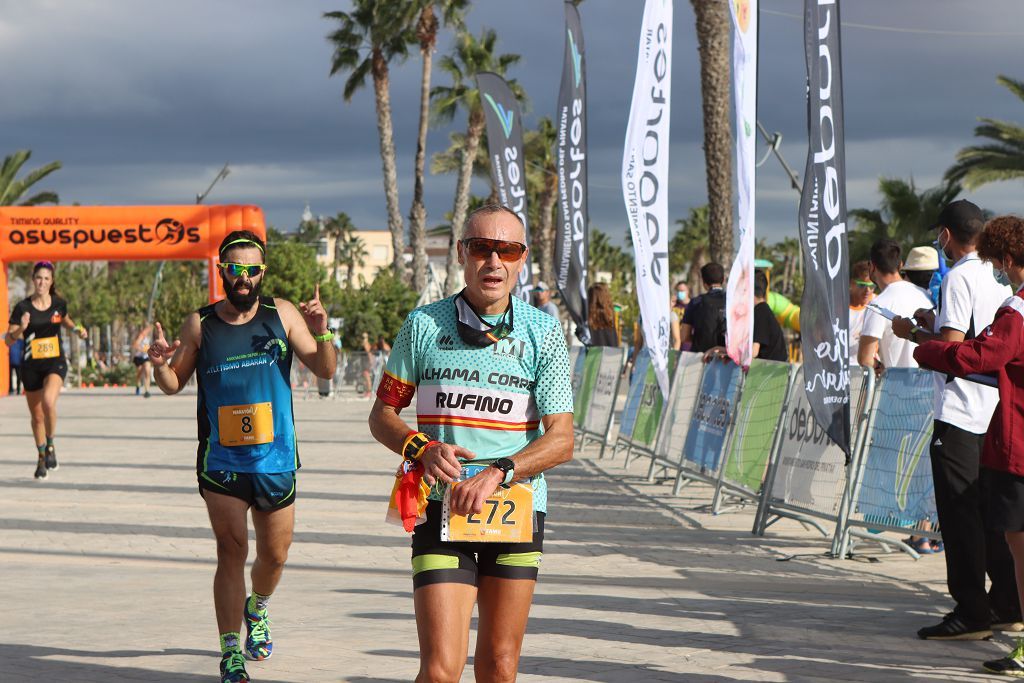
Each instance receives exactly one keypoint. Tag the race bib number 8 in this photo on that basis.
(246, 425)
(507, 517)
(46, 347)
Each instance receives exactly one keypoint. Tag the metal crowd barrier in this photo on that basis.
(675, 420)
(754, 433)
(752, 438)
(710, 423)
(595, 401)
(808, 476)
(893, 488)
(641, 416)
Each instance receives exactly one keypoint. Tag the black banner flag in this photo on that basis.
(825, 309)
(571, 234)
(505, 143)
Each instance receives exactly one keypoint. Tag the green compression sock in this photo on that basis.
(229, 642)
(258, 603)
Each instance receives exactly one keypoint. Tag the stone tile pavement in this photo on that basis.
(106, 570)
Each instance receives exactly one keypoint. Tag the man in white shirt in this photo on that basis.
(899, 296)
(963, 409)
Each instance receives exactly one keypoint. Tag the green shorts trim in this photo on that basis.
(437, 561)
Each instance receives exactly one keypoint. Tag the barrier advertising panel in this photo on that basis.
(712, 415)
(757, 420)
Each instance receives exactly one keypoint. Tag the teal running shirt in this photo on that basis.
(487, 399)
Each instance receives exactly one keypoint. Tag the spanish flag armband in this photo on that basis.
(414, 445)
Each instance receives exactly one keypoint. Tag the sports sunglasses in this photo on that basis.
(236, 269)
(481, 248)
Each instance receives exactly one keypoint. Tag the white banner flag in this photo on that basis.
(645, 179)
(739, 295)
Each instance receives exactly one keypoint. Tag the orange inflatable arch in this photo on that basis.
(116, 233)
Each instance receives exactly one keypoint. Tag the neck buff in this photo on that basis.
(476, 331)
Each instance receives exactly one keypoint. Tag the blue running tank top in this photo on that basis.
(245, 414)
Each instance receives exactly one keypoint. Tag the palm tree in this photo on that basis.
(350, 251)
(12, 191)
(341, 228)
(469, 57)
(688, 248)
(450, 160)
(713, 33)
(542, 188)
(426, 34)
(904, 214)
(371, 36)
(1001, 160)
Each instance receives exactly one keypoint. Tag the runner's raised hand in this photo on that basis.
(314, 314)
(160, 351)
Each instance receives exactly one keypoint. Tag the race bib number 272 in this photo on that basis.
(507, 517)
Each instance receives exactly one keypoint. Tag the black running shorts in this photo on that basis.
(262, 491)
(437, 561)
(34, 372)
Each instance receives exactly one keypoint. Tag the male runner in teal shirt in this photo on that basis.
(488, 371)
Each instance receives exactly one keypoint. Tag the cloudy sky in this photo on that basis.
(143, 101)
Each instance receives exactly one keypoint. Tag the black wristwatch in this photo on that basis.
(507, 467)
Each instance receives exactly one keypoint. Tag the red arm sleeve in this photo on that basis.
(989, 352)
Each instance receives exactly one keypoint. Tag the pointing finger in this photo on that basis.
(316, 292)
(159, 331)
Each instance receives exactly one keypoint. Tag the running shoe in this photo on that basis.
(1010, 665)
(953, 627)
(232, 668)
(41, 468)
(51, 458)
(258, 644)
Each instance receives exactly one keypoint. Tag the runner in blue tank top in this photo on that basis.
(490, 378)
(241, 351)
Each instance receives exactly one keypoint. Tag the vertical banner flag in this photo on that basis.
(645, 179)
(825, 312)
(571, 236)
(739, 319)
(504, 122)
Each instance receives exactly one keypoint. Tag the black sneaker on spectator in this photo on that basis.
(953, 627)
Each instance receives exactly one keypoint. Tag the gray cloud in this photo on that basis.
(144, 101)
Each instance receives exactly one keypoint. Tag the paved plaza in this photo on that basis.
(106, 569)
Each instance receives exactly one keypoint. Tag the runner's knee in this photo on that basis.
(497, 665)
(273, 558)
(232, 549)
(438, 671)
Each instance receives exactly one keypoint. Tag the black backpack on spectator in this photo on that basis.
(709, 321)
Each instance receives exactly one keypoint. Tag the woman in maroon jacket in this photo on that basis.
(998, 351)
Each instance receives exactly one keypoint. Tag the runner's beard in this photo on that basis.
(242, 302)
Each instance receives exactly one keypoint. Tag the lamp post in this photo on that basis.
(223, 173)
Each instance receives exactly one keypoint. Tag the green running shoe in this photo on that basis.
(41, 468)
(232, 668)
(51, 458)
(258, 645)
(1010, 665)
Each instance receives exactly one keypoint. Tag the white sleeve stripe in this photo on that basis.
(1017, 304)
